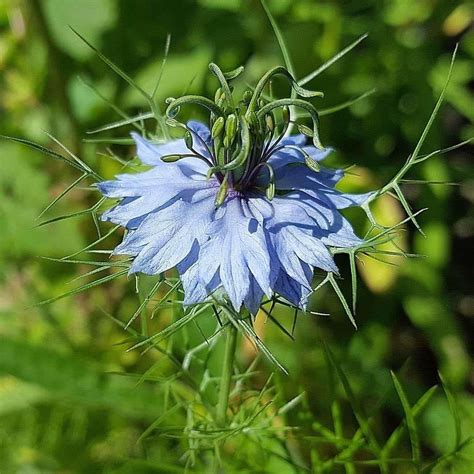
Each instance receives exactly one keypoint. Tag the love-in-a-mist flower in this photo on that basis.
(238, 206)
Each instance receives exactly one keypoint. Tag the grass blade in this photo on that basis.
(410, 419)
(454, 411)
(347, 104)
(172, 328)
(342, 299)
(121, 123)
(356, 408)
(395, 437)
(329, 63)
(85, 287)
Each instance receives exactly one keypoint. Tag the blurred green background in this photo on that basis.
(62, 409)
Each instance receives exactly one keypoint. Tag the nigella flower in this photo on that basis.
(240, 207)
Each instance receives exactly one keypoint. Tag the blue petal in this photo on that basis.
(151, 154)
(297, 176)
(238, 249)
(288, 156)
(201, 137)
(166, 237)
(130, 211)
(328, 224)
(292, 234)
(292, 291)
(194, 290)
(254, 296)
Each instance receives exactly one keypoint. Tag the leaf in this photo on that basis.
(347, 104)
(395, 437)
(342, 299)
(281, 41)
(45, 150)
(85, 287)
(172, 328)
(329, 63)
(412, 430)
(356, 408)
(453, 407)
(121, 123)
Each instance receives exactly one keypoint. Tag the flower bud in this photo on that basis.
(230, 130)
(270, 191)
(305, 130)
(222, 193)
(311, 163)
(217, 95)
(188, 140)
(171, 158)
(247, 97)
(270, 121)
(286, 115)
(217, 127)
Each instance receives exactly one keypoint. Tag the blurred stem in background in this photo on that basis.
(226, 376)
(64, 118)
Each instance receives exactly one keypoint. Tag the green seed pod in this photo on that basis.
(217, 127)
(171, 158)
(286, 114)
(188, 140)
(270, 121)
(230, 129)
(311, 164)
(217, 95)
(222, 193)
(305, 130)
(270, 191)
(247, 97)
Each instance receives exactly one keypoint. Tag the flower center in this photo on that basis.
(246, 133)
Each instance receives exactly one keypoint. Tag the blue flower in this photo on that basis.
(250, 245)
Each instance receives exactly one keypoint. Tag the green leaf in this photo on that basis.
(395, 437)
(329, 63)
(85, 287)
(412, 429)
(453, 407)
(173, 328)
(355, 405)
(342, 299)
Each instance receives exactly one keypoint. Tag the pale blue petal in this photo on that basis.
(254, 296)
(151, 154)
(194, 290)
(238, 248)
(290, 156)
(168, 235)
(292, 291)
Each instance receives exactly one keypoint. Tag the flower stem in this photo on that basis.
(226, 377)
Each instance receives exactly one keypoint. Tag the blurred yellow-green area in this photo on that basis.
(69, 397)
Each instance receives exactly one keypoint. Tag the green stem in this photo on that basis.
(226, 377)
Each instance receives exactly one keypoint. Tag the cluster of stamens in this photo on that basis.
(246, 133)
